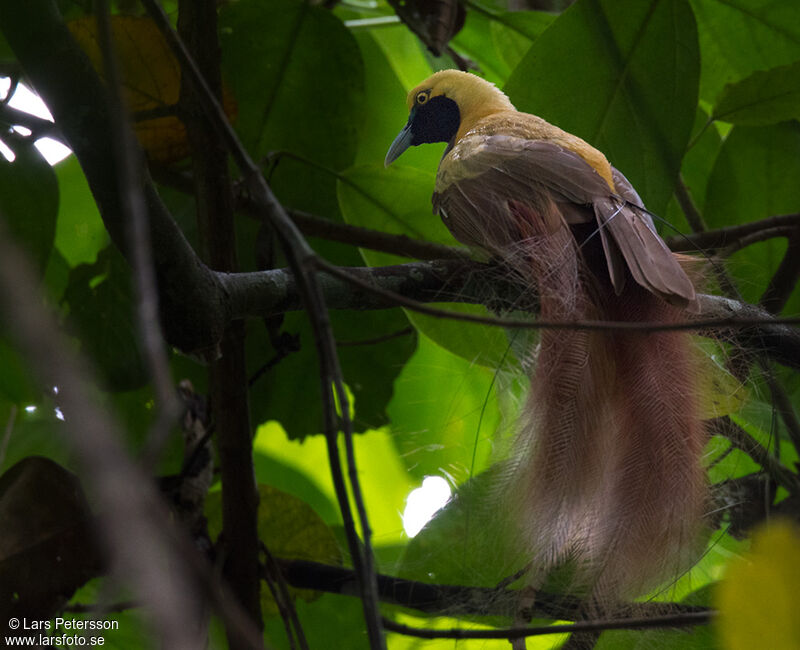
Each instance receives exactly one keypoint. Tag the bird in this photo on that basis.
(605, 473)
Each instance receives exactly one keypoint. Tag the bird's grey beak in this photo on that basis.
(400, 144)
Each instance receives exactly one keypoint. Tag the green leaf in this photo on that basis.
(404, 53)
(80, 233)
(15, 383)
(292, 481)
(29, 201)
(468, 542)
(289, 528)
(762, 98)
(623, 76)
(306, 94)
(133, 629)
(101, 308)
(332, 621)
(36, 433)
(756, 598)
(513, 32)
(450, 429)
(384, 103)
(373, 348)
(382, 475)
(738, 37)
(371, 359)
(755, 177)
(471, 41)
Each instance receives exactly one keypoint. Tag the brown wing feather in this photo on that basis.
(483, 172)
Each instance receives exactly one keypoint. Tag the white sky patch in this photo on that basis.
(30, 409)
(25, 99)
(59, 415)
(423, 502)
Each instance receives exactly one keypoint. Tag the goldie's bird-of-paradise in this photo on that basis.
(606, 471)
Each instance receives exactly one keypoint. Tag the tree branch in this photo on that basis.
(269, 292)
(779, 225)
(453, 600)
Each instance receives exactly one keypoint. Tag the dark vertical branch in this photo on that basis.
(197, 24)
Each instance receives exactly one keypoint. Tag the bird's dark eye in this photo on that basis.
(423, 97)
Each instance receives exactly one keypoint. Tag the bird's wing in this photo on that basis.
(484, 174)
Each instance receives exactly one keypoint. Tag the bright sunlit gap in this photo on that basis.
(26, 100)
(423, 502)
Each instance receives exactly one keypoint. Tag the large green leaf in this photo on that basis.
(445, 413)
(738, 37)
(381, 473)
(297, 76)
(305, 99)
(332, 621)
(29, 201)
(404, 54)
(471, 41)
(755, 176)
(289, 528)
(16, 384)
(756, 599)
(35, 432)
(384, 103)
(514, 31)
(376, 345)
(80, 234)
(763, 98)
(468, 542)
(101, 308)
(623, 76)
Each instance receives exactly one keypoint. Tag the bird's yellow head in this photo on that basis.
(444, 106)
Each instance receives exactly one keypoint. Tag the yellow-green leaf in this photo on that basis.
(289, 528)
(756, 599)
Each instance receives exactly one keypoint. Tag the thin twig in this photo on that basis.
(9, 429)
(778, 225)
(281, 604)
(688, 206)
(406, 331)
(784, 280)
(301, 259)
(271, 571)
(743, 441)
(452, 600)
